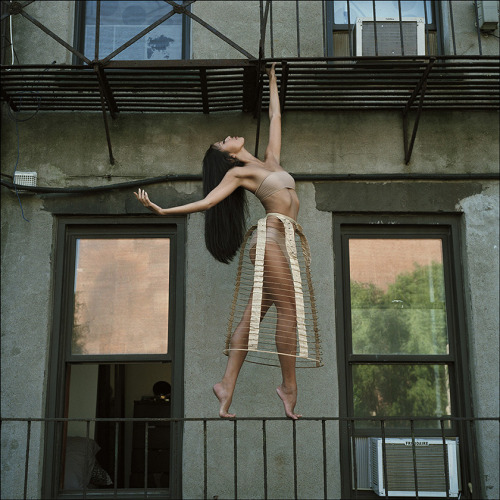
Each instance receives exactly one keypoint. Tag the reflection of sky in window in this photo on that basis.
(385, 8)
(122, 20)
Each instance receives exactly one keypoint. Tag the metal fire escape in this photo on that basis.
(407, 84)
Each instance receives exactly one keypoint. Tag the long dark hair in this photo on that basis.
(224, 222)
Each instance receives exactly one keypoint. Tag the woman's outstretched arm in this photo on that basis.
(230, 182)
(273, 150)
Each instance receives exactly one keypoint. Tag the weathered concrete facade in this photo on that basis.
(69, 149)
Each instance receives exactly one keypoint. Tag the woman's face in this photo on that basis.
(231, 145)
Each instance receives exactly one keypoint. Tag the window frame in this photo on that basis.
(447, 227)
(79, 34)
(331, 27)
(68, 230)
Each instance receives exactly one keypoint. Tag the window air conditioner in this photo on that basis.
(389, 36)
(430, 465)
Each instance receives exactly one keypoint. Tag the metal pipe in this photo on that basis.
(205, 463)
(350, 427)
(350, 28)
(445, 456)
(235, 458)
(271, 29)
(384, 459)
(115, 468)
(86, 465)
(375, 27)
(401, 29)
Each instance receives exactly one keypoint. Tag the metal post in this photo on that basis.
(298, 30)
(146, 453)
(401, 29)
(350, 426)
(478, 30)
(97, 29)
(86, 465)
(325, 470)
(375, 27)
(294, 441)
(445, 456)
(414, 453)
(384, 459)
(115, 473)
(452, 28)
(235, 458)
(350, 28)
(205, 492)
(27, 459)
(264, 453)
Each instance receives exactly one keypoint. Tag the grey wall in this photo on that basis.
(69, 149)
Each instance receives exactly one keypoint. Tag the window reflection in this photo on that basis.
(401, 390)
(397, 296)
(121, 296)
(383, 9)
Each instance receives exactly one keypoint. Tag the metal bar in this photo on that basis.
(146, 453)
(350, 427)
(298, 26)
(213, 30)
(259, 111)
(384, 459)
(97, 29)
(204, 90)
(414, 453)
(271, 29)
(452, 28)
(415, 125)
(106, 127)
(426, 28)
(205, 463)
(55, 37)
(86, 465)
(115, 468)
(264, 457)
(26, 461)
(145, 31)
(105, 89)
(283, 85)
(325, 470)
(235, 458)
(478, 30)
(294, 442)
(351, 28)
(375, 27)
(323, 21)
(445, 456)
(401, 29)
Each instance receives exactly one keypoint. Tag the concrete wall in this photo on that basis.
(69, 149)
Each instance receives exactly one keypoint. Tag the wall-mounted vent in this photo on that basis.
(389, 36)
(24, 179)
(430, 466)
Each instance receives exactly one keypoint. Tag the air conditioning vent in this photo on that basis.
(389, 36)
(430, 465)
(24, 179)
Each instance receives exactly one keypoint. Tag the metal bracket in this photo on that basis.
(420, 88)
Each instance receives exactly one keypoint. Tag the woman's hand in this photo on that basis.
(143, 197)
(270, 71)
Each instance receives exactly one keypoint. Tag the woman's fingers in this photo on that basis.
(142, 196)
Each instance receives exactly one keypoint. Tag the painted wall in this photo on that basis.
(69, 149)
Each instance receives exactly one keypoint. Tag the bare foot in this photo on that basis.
(225, 401)
(289, 398)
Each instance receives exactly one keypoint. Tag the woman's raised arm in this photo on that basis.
(273, 150)
(230, 182)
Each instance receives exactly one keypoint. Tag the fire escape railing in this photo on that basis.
(446, 427)
(406, 83)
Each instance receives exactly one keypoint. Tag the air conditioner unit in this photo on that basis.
(430, 466)
(389, 36)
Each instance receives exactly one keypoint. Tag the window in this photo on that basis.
(351, 31)
(121, 20)
(400, 335)
(117, 354)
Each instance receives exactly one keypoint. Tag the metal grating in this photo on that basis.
(233, 85)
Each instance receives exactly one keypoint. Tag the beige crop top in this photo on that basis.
(274, 182)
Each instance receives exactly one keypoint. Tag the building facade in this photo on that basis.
(113, 317)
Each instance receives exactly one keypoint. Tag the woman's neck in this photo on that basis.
(247, 157)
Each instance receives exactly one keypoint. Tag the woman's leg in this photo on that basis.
(237, 353)
(279, 286)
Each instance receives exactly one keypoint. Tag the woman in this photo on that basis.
(228, 170)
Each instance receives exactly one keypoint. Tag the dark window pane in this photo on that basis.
(121, 296)
(401, 390)
(397, 296)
